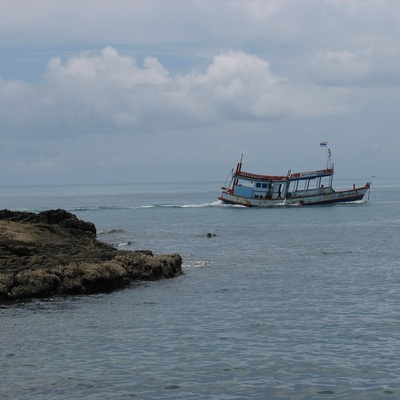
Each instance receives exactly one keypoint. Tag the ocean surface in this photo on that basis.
(281, 303)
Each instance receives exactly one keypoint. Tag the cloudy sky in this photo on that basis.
(119, 91)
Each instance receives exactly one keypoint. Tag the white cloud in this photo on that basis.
(342, 67)
(118, 75)
(109, 67)
(108, 90)
(361, 67)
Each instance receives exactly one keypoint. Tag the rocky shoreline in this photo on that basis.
(54, 253)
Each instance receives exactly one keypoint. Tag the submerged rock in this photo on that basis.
(55, 253)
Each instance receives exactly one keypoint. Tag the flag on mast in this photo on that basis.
(323, 144)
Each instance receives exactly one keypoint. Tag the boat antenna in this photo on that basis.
(328, 159)
(239, 166)
(328, 154)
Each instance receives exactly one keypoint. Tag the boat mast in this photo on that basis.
(328, 154)
(328, 159)
(329, 165)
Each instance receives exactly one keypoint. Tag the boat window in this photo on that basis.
(256, 196)
(258, 184)
(264, 185)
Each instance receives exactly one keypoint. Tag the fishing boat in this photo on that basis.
(292, 189)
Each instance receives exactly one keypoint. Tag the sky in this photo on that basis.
(126, 91)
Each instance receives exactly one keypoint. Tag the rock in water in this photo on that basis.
(55, 253)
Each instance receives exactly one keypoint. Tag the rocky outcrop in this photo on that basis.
(55, 253)
(59, 217)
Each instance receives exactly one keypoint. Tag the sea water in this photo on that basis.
(280, 303)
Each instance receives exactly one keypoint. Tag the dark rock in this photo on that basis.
(51, 217)
(54, 253)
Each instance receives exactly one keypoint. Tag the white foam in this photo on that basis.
(194, 264)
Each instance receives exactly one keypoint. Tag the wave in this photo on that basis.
(194, 264)
(193, 205)
(147, 206)
(101, 208)
(111, 232)
(124, 244)
(352, 203)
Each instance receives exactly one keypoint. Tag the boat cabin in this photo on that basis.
(255, 186)
(310, 183)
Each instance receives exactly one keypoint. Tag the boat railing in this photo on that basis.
(259, 177)
(289, 176)
(311, 174)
